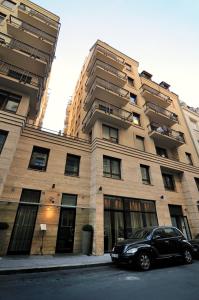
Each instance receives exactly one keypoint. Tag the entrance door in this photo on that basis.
(65, 236)
(179, 221)
(21, 238)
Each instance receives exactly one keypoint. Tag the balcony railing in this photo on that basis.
(160, 110)
(18, 23)
(164, 130)
(9, 42)
(108, 109)
(21, 75)
(33, 12)
(108, 68)
(109, 87)
(155, 92)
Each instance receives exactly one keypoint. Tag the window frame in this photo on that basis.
(111, 139)
(147, 180)
(189, 158)
(171, 176)
(133, 96)
(111, 174)
(36, 149)
(9, 97)
(11, 2)
(2, 17)
(5, 134)
(130, 81)
(70, 173)
(140, 138)
(164, 154)
(136, 115)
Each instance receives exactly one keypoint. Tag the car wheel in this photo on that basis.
(187, 256)
(144, 261)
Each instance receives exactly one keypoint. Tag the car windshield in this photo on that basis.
(140, 234)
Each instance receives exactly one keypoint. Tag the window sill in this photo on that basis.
(32, 169)
(113, 178)
(148, 184)
(76, 176)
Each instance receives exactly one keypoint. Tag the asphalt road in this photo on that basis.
(179, 282)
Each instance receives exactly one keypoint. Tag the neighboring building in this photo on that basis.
(192, 118)
(120, 164)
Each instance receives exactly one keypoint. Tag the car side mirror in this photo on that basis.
(156, 237)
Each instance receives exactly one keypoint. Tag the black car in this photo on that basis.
(148, 245)
(195, 244)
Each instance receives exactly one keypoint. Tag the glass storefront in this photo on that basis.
(123, 215)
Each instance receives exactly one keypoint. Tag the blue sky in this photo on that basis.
(163, 36)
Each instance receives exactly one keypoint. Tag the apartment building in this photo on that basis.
(120, 164)
(192, 118)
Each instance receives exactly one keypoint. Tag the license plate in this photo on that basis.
(114, 255)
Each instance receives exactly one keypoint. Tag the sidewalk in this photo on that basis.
(39, 263)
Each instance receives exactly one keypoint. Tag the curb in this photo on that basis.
(52, 268)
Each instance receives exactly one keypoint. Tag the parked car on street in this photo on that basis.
(147, 245)
(195, 244)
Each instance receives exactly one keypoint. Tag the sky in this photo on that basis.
(162, 35)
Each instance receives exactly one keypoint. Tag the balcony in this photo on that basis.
(31, 35)
(165, 136)
(21, 81)
(23, 55)
(160, 115)
(107, 92)
(106, 112)
(37, 18)
(106, 56)
(152, 95)
(107, 72)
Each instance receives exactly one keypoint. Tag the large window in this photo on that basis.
(123, 215)
(168, 181)
(140, 142)
(130, 81)
(111, 167)
(136, 119)
(72, 165)
(9, 102)
(145, 174)
(110, 133)
(9, 4)
(39, 158)
(3, 137)
(189, 158)
(133, 98)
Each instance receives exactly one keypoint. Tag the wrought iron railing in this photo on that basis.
(108, 109)
(9, 42)
(33, 12)
(155, 92)
(32, 29)
(167, 131)
(109, 87)
(161, 110)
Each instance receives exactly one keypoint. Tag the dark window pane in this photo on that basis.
(111, 167)
(168, 182)
(32, 196)
(161, 152)
(133, 98)
(110, 133)
(136, 119)
(8, 101)
(197, 182)
(72, 165)
(39, 158)
(145, 174)
(140, 143)
(130, 81)
(3, 137)
(69, 199)
(189, 158)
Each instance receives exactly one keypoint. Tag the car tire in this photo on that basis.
(144, 261)
(187, 256)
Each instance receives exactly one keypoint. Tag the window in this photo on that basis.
(140, 143)
(106, 109)
(168, 181)
(9, 102)
(110, 133)
(9, 4)
(111, 167)
(72, 165)
(128, 67)
(2, 17)
(3, 137)
(31, 196)
(197, 203)
(161, 152)
(197, 182)
(39, 158)
(130, 81)
(19, 76)
(145, 174)
(136, 119)
(188, 158)
(133, 98)
(69, 200)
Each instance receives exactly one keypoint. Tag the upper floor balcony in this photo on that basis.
(106, 112)
(165, 136)
(152, 95)
(21, 81)
(107, 72)
(106, 56)
(108, 92)
(23, 55)
(160, 115)
(31, 35)
(37, 18)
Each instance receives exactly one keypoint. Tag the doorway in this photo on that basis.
(179, 221)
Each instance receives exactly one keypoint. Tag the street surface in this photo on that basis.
(179, 282)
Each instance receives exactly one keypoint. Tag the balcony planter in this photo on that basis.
(87, 239)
